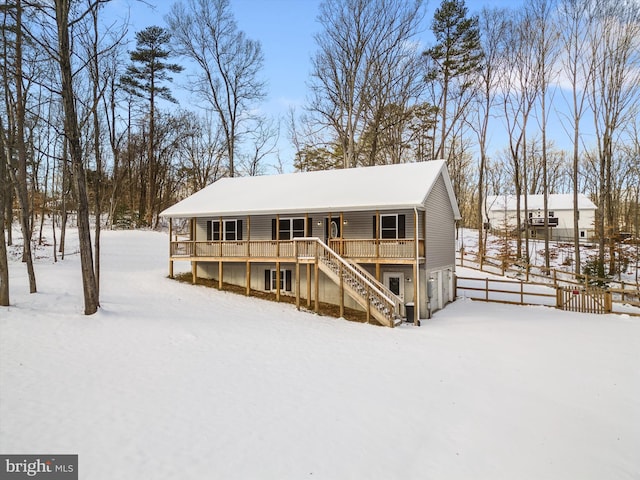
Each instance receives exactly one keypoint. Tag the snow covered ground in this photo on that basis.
(171, 381)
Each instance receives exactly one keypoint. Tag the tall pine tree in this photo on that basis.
(143, 78)
(452, 59)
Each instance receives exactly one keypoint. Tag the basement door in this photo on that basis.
(394, 281)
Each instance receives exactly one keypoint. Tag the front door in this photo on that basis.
(394, 281)
(331, 229)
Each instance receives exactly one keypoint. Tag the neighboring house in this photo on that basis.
(375, 237)
(501, 211)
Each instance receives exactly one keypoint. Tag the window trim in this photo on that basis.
(396, 229)
(286, 280)
(292, 232)
(217, 230)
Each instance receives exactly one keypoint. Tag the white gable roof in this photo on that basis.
(536, 202)
(385, 187)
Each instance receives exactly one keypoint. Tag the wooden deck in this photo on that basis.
(361, 251)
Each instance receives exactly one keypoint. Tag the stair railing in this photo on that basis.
(380, 300)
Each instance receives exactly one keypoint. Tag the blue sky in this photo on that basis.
(285, 29)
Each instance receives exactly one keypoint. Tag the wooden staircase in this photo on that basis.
(377, 300)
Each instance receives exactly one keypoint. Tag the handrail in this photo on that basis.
(373, 288)
(382, 287)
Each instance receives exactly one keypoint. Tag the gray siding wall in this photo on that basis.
(359, 225)
(440, 224)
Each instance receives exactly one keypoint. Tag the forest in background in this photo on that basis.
(90, 123)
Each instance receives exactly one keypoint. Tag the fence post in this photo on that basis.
(608, 303)
(486, 289)
(521, 292)
(559, 297)
(455, 285)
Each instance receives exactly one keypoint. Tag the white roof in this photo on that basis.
(385, 187)
(536, 202)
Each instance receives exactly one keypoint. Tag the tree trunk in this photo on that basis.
(4, 264)
(20, 173)
(72, 131)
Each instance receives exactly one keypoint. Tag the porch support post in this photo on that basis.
(377, 235)
(297, 284)
(341, 245)
(248, 235)
(416, 271)
(277, 281)
(308, 285)
(341, 292)
(194, 266)
(317, 286)
(220, 274)
(278, 235)
(248, 274)
(170, 239)
(248, 278)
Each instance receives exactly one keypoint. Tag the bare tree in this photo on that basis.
(359, 68)
(201, 153)
(264, 137)
(545, 50)
(72, 133)
(16, 99)
(492, 25)
(229, 63)
(613, 97)
(575, 18)
(519, 90)
(4, 187)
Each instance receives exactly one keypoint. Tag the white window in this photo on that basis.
(213, 230)
(291, 228)
(392, 226)
(271, 280)
(232, 230)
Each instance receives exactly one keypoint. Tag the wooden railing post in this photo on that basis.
(368, 305)
(317, 287)
(341, 272)
(297, 284)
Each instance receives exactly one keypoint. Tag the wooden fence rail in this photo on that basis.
(622, 293)
(517, 292)
(514, 292)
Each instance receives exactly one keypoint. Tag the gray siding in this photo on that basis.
(440, 224)
(359, 225)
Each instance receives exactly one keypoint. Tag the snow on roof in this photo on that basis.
(384, 187)
(536, 202)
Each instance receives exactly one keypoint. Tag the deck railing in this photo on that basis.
(286, 249)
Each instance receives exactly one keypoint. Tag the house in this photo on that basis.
(501, 215)
(375, 238)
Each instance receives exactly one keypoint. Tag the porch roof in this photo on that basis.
(385, 187)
